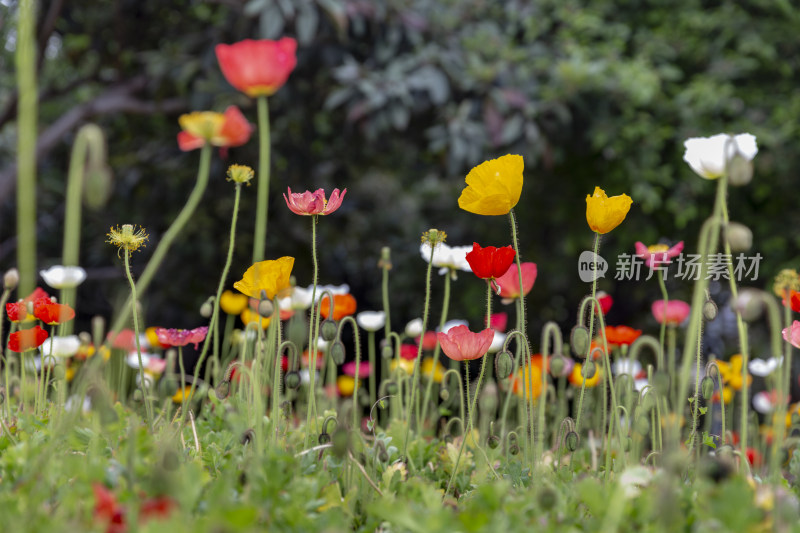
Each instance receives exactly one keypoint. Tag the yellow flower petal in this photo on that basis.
(249, 316)
(494, 186)
(232, 303)
(203, 124)
(603, 213)
(272, 277)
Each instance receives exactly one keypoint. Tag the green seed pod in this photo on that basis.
(337, 352)
(661, 382)
(707, 387)
(444, 394)
(387, 352)
(503, 365)
(493, 442)
(265, 308)
(292, 380)
(571, 441)
(59, 372)
(328, 330)
(641, 425)
(513, 449)
(557, 366)
(580, 340)
(710, 310)
(341, 442)
(588, 369)
(548, 498)
(223, 389)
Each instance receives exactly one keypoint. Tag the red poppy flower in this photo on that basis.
(509, 282)
(257, 68)
(314, 203)
(124, 340)
(52, 313)
(428, 341)
(460, 344)
(106, 508)
(621, 335)
(17, 311)
(793, 301)
(499, 321)
(343, 305)
(409, 351)
(27, 339)
(182, 337)
(606, 301)
(490, 262)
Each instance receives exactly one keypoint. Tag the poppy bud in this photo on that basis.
(579, 341)
(648, 403)
(571, 441)
(557, 366)
(337, 352)
(444, 394)
(513, 449)
(292, 380)
(341, 442)
(223, 389)
(707, 387)
(391, 388)
(59, 372)
(710, 310)
(207, 308)
(324, 438)
(740, 171)
(11, 279)
(547, 498)
(387, 352)
(641, 425)
(588, 369)
(493, 442)
(265, 308)
(247, 437)
(328, 330)
(503, 365)
(740, 238)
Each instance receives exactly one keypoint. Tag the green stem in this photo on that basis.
(372, 368)
(262, 194)
(521, 325)
(313, 332)
(591, 331)
(25, 59)
(7, 390)
(169, 236)
(665, 297)
(437, 349)
(147, 406)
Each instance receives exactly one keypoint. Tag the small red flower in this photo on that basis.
(490, 262)
(313, 203)
(343, 305)
(621, 335)
(409, 351)
(257, 68)
(52, 313)
(106, 508)
(606, 301)
(460, 344)
(27, 339)
(499, 321)
(231, 130)
(793, 301)
(428, 341)
(17, 311)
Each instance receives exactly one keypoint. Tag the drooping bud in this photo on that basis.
(247, 437)
(557, 366)
(391, 388)
(493, 442)
(338, 352)
(707, 387)
(588, 369)
(341, 442)
(748, 304)
(571, 441)
(579, 341)
(11, 279)
(223, 389)
(328, 330)
(292, 380)
(503, 364)
(265, 308)
(710, 310)
(387, 352)
(740, 238)
(444, 394)
(207, 309)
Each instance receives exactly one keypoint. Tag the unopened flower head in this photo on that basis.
(240, 174)
(434, 236)
(127, 237)
(786, 281)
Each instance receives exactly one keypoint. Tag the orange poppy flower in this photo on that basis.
(257, 68)
(621, 335)
(52, 313)
(343, 305)
(27, 339)
(534, 378)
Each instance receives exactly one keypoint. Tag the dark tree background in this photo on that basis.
(396, 100)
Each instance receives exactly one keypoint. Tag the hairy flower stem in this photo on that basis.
(147, 405)
(214, 323)
(662, 331)
(25, 61)
(550, 332)
(276, 376)
(437, 349)
(357, 346)
(415, 373)
(372, 367)
(169, 237)
(521, 324)
(596, 249)
(5, 354)
(262, 194)
(313, 333)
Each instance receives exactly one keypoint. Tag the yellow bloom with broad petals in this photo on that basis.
(405, 365)
(494, 186)
(232, 303)
(346, 385)
(603, 213)
(182, 393)
(249, 316)
(272, 277)
(731, 372)
(429, 370)
(203, 124)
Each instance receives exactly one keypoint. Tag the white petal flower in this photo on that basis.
(299, 300)
(759, 367)
(63, 277)
(626, 366)
(334, 289)
(371, 320)
(497, 342)
(707, 155)
(66, 346)
(447, 258)
(762, 402)
(451, 324)
(414, 328)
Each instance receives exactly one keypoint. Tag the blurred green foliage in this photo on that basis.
(396, 100)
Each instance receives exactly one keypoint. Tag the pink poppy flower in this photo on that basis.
(675, 313)
(499, 321)
(460, 344)
(792, 334)
(509, 282)
(182, 337)
(428, 341)
(364, 369)
(658, 254)
(313, 203)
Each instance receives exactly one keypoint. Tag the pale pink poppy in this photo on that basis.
(350, 369)
(314, 203)
(460, 344)
(657, 254)
(675, 313)
(792, 334)
(182, 337)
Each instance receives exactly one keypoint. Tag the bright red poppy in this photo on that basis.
(17, 311)
(257, 68)
(428, 340)
(106, 508)
(621, 335)
(793, 301)
(52, 313)
(409, 351)
(606, 301)
(490, 262)
(460, 344)
(27, 339)
(343, 305)
(499, 321)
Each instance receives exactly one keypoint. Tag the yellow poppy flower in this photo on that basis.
(731, 372)
(271, 277)
(406, 365)
(603, 213)
(181, 394)
(249, 316)
(232, 303)
(494, 186)
(534, 378)
(576, 378)
(346, 385)
(428, 370)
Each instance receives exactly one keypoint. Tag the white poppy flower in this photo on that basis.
(707, 155)
(763, 402)
(334, 289)
(414, 328)
(63, 277)
(299, 300)
(65, 346)
(497, 342)
(447, 258)
(626, 366)
(761, 368)
(371, 320)
(453, 323)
